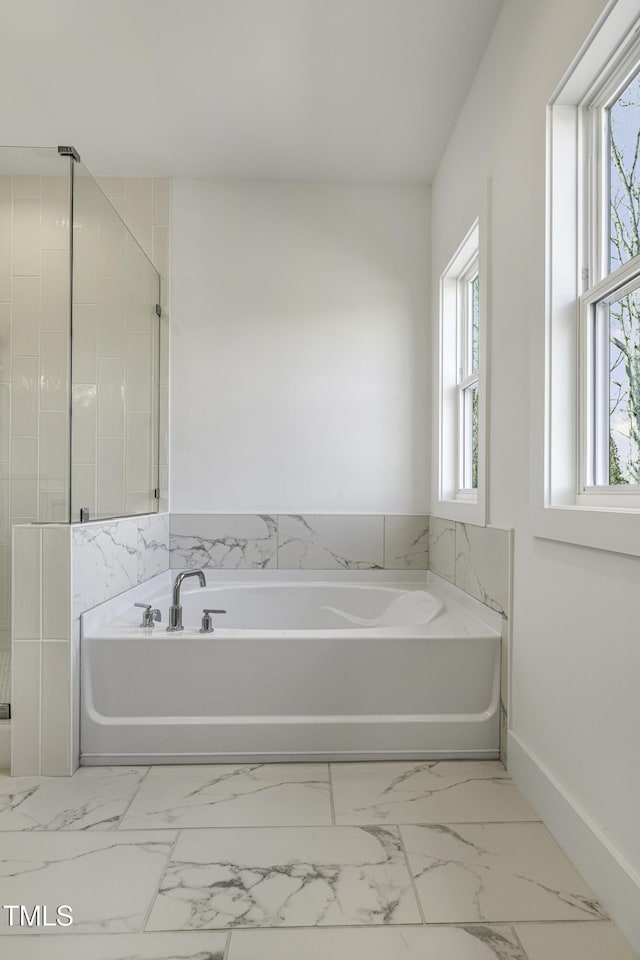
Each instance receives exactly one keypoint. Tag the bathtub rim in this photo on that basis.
(94, 619)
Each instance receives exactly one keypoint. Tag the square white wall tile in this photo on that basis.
(5, 259)
(482, 564)
(24, 396)
(161, 192)
(85, 422)
(27, 546)
(54, 446)
(110, 336)
(26, 316)
(330, 542)
(26, 236)
(442, 548)
(110, 397)
(54, 219)
(54, 311)
(25, 707)
(56, 583)
(223, 540)
(406, 543)
(5, 342)
(5, 422)
(54, 370)
(138, 209)
(84, 343)
(110, 476)
(5, 502)
(55, 709)
(138, 463)
(5, 585)
(24, 477)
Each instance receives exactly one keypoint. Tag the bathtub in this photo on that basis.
(361, 665)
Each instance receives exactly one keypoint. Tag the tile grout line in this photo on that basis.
(331, 796)
(160, 879)
(519, 941)
(133, 797)
(411, 876)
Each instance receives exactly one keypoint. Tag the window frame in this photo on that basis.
(450, 500)
(604, 522)
(601, 285)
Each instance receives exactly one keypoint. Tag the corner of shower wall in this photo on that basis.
(35, 400)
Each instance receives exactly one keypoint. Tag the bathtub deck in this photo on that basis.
(341, 861)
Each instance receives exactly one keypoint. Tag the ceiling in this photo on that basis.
(332, 90)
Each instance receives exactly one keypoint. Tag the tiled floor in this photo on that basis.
(383, 861)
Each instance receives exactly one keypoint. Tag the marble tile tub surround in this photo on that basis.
(475, 558)
(111, 556)
(299, 541)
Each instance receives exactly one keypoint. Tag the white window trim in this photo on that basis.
(558, 513)
(449, 501)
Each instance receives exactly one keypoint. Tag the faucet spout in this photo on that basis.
(175, 610)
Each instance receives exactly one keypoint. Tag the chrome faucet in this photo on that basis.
(175, 610)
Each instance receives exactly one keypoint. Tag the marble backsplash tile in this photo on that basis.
(297, 541)
(228, 541)
(406, 542)
(114, 555)
(442, 548)
(482, 564)
(330, 542)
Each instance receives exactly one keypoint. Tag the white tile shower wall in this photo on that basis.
(34, 332)
(478, 560)
(100, 560)
(295, 541)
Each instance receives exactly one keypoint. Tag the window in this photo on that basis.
(460, 487)
(587, 420)
(610, 303)
(468, 378)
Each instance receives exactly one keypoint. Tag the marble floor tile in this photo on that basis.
(94, 798)
(574, 941)
(382, 943)
(268, 794)
(454, 791)
(495, 872)
(285, 877)
(198, 945)
(108, 879)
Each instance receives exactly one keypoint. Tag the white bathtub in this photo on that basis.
(352, 667)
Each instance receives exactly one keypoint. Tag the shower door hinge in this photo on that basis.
(69, 152)
(158, 309)
(156, 493)
(84, 514)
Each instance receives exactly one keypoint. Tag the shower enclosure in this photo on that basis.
(79, 354)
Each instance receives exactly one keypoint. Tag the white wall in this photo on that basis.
(576, 658)
(299, 358)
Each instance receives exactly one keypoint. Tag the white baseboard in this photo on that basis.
(614, 881)
(5, 744)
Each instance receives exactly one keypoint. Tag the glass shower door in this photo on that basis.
(115, 362)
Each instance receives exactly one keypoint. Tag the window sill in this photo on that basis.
(462, 510)
(601, 528)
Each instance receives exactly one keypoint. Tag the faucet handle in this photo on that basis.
(207, 622)
(149, 614)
